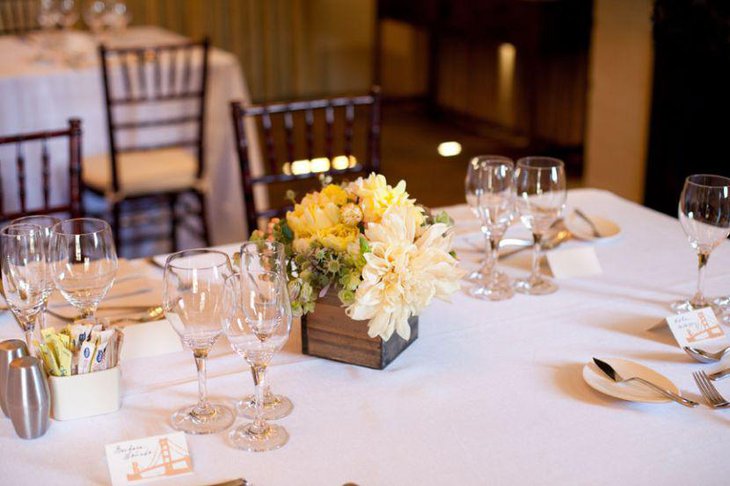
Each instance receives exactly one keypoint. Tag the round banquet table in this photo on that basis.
(490, 393)
(37, 96)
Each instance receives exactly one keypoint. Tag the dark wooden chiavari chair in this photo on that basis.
(26, 207)
(281, 123)
(18, 17)
(137, 174)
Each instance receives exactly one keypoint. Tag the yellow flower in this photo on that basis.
(309, 217)
(351, 214)
(338, 237)
(376, 196)
(335, 194)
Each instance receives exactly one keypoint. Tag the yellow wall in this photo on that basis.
(619, 97)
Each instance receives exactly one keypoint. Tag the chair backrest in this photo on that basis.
(18, 16)
(29, 200)
(142, 82)
(329, 155)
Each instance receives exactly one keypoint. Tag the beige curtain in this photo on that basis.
(287, 48)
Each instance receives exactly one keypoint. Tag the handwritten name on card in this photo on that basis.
(144, 460)
(696, 327)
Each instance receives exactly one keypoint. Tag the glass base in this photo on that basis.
(215, 418)
(246, 437)
(499, 290)
(275, 407)
(478, 276)
(718, 306)
(540, 286)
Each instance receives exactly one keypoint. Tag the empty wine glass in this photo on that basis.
(117, 16)
(489, 188)
(257, 326)
(46, 224)
(83, 262)
(24, 274)
(704, 212)
(68, 15)
(541, 194)
(49, 16)
(257, 256)
(193, 292)
(94, 16)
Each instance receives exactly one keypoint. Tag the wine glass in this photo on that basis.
(68, 15)
(117, 16)
(24, 274)
(46, 224)
(489, 188)
(541, 194)
(83, 262)
(193, 291)
(257, 325)
(49, 16)
(257, 256)
(704, 212)
(94, 16)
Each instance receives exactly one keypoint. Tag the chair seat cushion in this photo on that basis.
(141, 173)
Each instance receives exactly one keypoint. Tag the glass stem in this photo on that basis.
(29, 341)
(699, 298)
(259, 379)
(536, 255)
(487, 263)
(200, 361)
(493, 257)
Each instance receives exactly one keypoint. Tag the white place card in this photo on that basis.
(149, 339)
(574, 262)
(699, 328)
(144, 460)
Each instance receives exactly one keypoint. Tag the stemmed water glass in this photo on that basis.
(24, 274)
(94, 16)
(490, 193)
(193, 291)
(46, 224)
(704, 212)
(83, 262)
(257, 326)
(117, 16)
(541, 193)
(68, 15)
(258, 256)
(49, 16)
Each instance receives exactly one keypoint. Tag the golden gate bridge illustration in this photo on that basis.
(162, 463)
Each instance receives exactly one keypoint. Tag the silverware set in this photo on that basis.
(704, 382)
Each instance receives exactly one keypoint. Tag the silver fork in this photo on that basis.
(709, 391)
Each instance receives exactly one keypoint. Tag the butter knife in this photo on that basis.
(613, 374)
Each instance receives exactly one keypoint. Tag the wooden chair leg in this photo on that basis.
(117, 226)
(203, 217)
(172, 201)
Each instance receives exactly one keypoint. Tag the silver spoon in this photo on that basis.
(706, 356)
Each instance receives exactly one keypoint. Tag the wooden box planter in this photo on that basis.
(329, 333)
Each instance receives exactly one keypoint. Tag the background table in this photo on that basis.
(490, 393)
(37, 96)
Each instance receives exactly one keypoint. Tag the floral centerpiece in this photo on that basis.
(386, 257)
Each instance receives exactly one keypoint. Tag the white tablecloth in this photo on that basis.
(37, 96)
(490, 393)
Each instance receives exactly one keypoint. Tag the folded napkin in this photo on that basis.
(132, 288)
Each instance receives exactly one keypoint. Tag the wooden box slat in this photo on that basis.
(329, 333)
